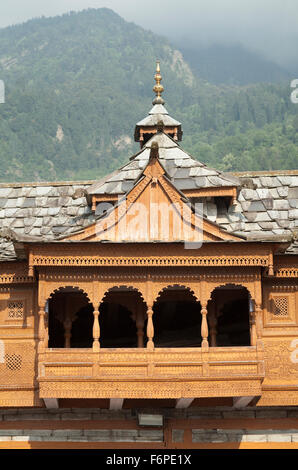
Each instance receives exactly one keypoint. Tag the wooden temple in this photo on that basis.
(167, 286)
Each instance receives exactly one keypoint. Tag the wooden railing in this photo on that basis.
(160, 373)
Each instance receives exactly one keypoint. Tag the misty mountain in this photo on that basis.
(77, 84)
(233, 65)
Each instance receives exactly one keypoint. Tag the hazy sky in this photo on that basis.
(269, 26)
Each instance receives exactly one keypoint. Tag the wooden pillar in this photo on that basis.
(150, 328)
(67, 330)
(271, 265)
(252, 322)
(41, 329)
(204, 326)
(96, 331)
(258, 323)
(253, 339)
(259, 341)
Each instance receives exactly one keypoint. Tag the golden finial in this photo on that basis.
(158, 88)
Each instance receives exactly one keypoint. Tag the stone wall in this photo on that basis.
(191, 427)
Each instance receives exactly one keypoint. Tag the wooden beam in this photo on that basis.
(116, 403)
(242, 402)
(184, 402)
(51, 403)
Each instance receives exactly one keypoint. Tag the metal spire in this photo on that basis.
(158, 88)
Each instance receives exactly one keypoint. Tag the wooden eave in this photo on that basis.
(142, 130)
(223, 191)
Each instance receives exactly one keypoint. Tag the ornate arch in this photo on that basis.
(62, 289)
(232, 284)
(164, 289)
(118, 288)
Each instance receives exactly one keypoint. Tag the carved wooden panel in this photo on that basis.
(16, 309)
(280, 309)
(233, 369)
(150, 388)
(281, 364)
(19, 366)
(124, 371)
(68, 371)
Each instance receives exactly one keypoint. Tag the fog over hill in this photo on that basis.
(77, 84)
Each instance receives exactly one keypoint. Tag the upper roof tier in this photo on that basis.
(184, 171)
(157, 116)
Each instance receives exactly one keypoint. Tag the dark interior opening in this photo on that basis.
(233, 324)
(117, 328)
(233, 328)
(147, 137)
(56, 331)
(71, 307)
(177, 323)
(82, 328)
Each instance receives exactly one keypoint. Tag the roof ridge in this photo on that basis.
(264, 173)
(20, 184)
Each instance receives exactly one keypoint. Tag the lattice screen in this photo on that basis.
(281, 306)
(19, 365)
(16, 310)
(13, 361)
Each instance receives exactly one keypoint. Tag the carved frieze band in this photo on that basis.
(12, 279)
(286, 272)
(149, 389)
(151, 261)
(175, 277)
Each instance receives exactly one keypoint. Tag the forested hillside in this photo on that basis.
(77, 84)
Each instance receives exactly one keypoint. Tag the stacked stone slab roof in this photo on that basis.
(184, 171)
(267, 206)
(158, 113)
(41, 210)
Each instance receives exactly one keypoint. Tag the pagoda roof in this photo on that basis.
(184, 171)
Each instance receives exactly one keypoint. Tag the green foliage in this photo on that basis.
(77, 84)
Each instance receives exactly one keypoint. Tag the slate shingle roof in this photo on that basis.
(158, 113)
(268, 207)
(184, 171)
(267, 202)
(41, 209)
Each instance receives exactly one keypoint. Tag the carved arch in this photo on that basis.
(164, 289)
(63, 289)
(117, 288)
(212, 288)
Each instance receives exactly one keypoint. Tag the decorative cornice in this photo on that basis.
(39, 260)
(286, 272)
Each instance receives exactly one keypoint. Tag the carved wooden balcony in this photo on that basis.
(160, 373)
